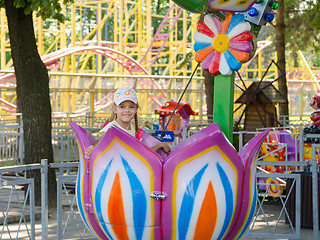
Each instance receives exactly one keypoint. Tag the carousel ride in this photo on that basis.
(203, 190)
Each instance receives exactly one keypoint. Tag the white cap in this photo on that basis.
(124, 94)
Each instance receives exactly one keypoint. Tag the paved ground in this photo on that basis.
(273, 220)
(73, 227)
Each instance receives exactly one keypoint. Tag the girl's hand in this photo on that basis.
(88, 151)
(166, 148)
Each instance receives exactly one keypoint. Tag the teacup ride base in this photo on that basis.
(203, 190)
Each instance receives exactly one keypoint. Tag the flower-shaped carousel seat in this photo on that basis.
(210, 189)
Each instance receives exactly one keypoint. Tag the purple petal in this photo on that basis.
(206, 62)
(241, 46)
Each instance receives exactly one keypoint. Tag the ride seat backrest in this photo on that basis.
(286, 137)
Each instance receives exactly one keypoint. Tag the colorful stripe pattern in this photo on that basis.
(84, 200)
(222, 47)
(211, 191)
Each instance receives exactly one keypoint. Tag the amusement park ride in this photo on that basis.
(204, 189)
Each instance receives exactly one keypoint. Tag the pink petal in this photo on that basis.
(206, 62)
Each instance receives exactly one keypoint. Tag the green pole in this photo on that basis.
(223, 102)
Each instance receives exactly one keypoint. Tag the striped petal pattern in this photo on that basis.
(223, 47)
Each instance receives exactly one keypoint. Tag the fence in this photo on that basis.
(10, 195)
(65, 148)
(273, 222)
(11, 145)
(300, 93)
(71, 216)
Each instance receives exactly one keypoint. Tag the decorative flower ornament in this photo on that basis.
(222, 47)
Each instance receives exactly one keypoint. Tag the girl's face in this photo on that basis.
(125, 111)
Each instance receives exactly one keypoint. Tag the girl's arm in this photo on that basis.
(91, 147)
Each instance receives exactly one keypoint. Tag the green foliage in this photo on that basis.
(185, 61)
(44, 8)
(302, 25)
(315, 60)
(236, 128)
(160, 8)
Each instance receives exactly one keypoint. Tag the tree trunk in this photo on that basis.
(281, 50)
(295, 59)
(209, 88)
(33, 94)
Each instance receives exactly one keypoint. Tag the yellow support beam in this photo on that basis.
(4, 32)
(308, 68)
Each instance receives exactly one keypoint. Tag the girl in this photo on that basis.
(124, 109)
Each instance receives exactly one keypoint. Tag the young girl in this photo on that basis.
(124, 109)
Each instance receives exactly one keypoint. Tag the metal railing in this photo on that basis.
(71, 216)
(64, 145)
(272, 223)
(22, 198)
(11, 145)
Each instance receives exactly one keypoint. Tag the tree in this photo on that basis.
(297, 28)
(281, 52)
(32, 84)
(209, 88)
(302, 25)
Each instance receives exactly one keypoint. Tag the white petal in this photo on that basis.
(224, 68)
(208, 20)
(242, 27)
(200, 37)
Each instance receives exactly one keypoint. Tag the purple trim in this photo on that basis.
(248, 157)
(197, 136)
(150, 141)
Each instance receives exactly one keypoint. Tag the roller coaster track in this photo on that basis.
(161, 37)
(55, 59)
(51, 61)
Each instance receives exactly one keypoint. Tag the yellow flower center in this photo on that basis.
(221, 43)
